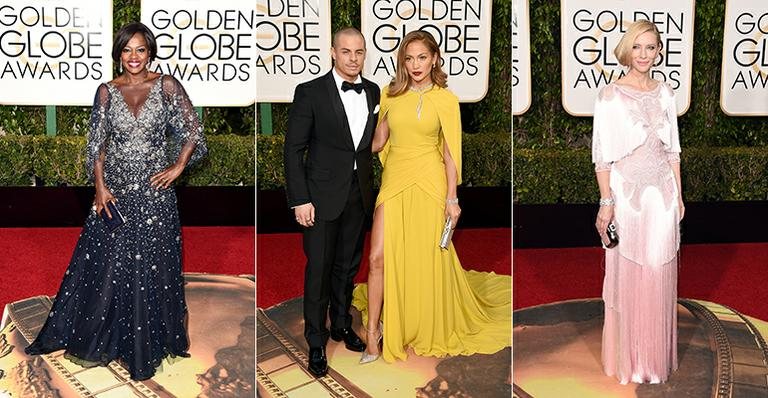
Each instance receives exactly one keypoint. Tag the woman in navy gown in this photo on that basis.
(122, 297)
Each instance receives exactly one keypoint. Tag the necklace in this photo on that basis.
(421, 92)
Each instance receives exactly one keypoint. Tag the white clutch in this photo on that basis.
(445, 238)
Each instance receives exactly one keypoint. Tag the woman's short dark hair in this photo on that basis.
(124, 35)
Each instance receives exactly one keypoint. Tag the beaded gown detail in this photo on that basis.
(122, 296)
(431, 304)
(640, 285)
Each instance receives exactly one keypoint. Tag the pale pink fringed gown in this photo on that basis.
(635, 137)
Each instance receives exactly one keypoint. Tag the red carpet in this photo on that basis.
(730, 274)
(280, 259)
(33, 260)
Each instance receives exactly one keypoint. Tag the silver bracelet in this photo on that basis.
(607, 201)
(453, 201)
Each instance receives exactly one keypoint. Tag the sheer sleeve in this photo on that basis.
(673, 157)
(603, 166)
(98, 132)
(598, 128)
(183, 124)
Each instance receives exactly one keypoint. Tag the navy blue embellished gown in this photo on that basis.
(122, 297)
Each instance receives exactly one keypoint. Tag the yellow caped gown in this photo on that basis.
(431, 303)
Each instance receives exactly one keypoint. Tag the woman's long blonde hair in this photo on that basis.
(399, 84)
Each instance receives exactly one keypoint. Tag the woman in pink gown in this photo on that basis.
(636, 151)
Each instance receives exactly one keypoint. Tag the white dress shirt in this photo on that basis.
(356, 108)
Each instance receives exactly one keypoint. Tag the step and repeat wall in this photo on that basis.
(208, 45)
(56, 52)
(293, 42)
(461, 29)
(521, 57)
(745, 59)
(591, 29)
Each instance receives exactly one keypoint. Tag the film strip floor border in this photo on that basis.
(741, 352)
(737, 356)
(282, 368)
(112, 381)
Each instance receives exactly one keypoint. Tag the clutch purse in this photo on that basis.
(613, 236)
(445, 237)
(117, 218)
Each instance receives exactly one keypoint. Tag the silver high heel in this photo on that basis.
(368, 358)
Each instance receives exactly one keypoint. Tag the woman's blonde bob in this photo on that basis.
(400, 81)
(623, 50)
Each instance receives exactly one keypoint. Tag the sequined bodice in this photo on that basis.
(137, 143)
(137, 147)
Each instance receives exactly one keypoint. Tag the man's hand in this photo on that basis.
(305, 214)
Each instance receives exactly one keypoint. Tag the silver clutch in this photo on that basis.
(445, 238)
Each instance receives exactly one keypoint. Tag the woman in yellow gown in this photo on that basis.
(430, 303)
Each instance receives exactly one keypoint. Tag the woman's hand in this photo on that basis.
(453, 211)
(165, 178)
(103, 195)
(604, 217)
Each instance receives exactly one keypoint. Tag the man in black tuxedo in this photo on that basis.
(328, 174)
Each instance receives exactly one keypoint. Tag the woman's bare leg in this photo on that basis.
(375, 279)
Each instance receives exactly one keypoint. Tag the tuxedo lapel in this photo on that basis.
(338, 108)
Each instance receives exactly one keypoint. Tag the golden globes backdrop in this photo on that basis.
(462, 29)
(293, 39)
(743, 90)
(54, 52)
(208, 46)
(591, 29)
(521, 57)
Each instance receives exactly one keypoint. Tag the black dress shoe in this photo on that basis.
(318, 362)
(351, 340)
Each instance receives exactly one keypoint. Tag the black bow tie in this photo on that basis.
(346, 86)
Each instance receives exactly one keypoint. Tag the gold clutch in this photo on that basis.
(445, 238)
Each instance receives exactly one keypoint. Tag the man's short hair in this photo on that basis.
(346, 31)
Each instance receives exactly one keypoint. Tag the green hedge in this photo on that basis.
(547, 125)
(485, 157)
(708, 174)
(72, 120)
(60, 161)
(492, 114)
